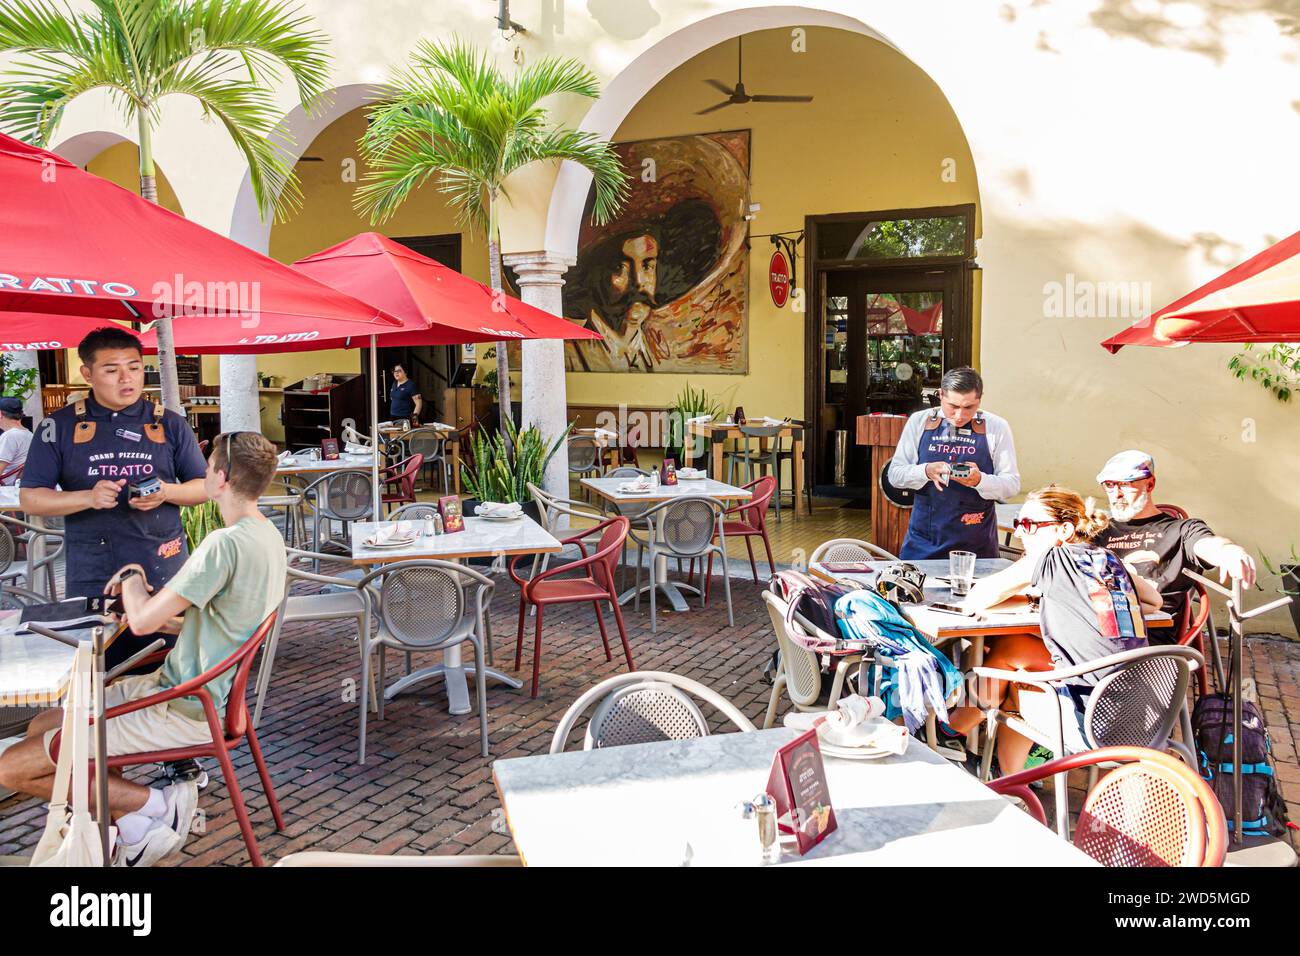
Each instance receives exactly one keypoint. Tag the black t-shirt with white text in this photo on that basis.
(1160, 549)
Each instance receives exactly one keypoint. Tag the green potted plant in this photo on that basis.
(199, 521)
(501, 467)
(690, 403)
(1288, 575)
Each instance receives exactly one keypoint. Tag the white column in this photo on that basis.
(241, 407)
(541, 279)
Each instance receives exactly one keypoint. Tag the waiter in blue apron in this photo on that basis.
(960, 461)
(117, 468)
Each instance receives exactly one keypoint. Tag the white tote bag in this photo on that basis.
(71, 837)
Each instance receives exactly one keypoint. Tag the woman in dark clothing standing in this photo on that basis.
(404, 399)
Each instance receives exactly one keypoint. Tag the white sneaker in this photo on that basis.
(159, 841)
(182, 800)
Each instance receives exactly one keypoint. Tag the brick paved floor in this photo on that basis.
(425, 789)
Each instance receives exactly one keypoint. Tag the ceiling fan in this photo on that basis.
(738, 96)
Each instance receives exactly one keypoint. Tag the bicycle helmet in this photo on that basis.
(901, 583)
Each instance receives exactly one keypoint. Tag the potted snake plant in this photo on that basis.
(690, 403)
(497, 472)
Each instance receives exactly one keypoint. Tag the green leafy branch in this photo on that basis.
(1276, 369)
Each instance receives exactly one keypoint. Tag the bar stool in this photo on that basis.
(750, 454)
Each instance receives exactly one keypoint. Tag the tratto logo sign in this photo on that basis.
(778, 279)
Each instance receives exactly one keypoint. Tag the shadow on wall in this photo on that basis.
(624, 19)
(1225, 449)
(1174, 24)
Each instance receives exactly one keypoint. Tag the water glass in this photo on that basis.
(961, 571)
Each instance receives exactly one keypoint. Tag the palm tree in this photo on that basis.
(226, 54)
(454, 118)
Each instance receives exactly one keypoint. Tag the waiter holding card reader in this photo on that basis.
(960, 461)
(117, 468)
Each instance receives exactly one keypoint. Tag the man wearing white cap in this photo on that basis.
(1159, 546)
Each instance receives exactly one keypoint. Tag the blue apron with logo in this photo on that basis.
(108, 446)
(957, 518)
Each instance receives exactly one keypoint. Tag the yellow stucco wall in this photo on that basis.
(875, 143)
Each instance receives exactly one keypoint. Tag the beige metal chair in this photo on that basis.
(1137, 703)
(584, 456)
(426, 605)
(644, 707)
(801, 674)
(687, 527)
(28, 533)
(849, 549)
(350, 601)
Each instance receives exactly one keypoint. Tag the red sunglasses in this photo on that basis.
(1029, 526)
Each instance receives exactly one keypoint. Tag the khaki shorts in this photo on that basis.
(1039, 710)
(142, 731)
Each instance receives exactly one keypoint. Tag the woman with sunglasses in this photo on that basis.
(1090, 606)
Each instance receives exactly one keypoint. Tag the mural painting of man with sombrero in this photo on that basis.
(665, 284)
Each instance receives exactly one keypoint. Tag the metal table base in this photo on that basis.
(454, 673)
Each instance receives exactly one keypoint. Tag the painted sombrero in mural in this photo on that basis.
(666, 282)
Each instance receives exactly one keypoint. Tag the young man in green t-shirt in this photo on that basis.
(227, 587)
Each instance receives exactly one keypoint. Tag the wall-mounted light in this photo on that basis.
(509, 29)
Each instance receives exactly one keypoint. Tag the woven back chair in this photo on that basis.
(1137, 701)
(584, 455)
(684, 528)
(1150, 811)
(849, 549)
(428, 606)
(645, 707)
(418, 511)
(800, 673)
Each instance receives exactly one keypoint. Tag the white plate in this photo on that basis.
(851, 753)
(392, 543)
(500, 517)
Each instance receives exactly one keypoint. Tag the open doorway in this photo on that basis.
(889, 312)
(431, 367)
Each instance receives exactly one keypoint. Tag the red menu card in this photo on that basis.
(798, 786)
(329, 449)
(452, 519)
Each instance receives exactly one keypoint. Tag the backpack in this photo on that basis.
(814, 601)
(1263, 811)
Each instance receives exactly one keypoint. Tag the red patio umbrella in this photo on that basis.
(435, 305)
(30, 332)
(73, 244)
(1257, 301)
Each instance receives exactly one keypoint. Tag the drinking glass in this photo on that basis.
(961, 571)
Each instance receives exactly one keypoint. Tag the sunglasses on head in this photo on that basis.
(230, 462)
(1029, 526)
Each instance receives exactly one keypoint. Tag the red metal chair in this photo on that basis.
(1191, 630)
(236, 727)
(1192, 627)
(400, 479)
(594, 588)
(751, 522)
(1152, 810)
(203, 448)
(15, 473)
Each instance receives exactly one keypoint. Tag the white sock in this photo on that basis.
(155, 806)
(131, 827)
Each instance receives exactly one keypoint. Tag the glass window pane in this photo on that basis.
(892, 238)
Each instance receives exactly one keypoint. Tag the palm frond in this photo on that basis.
(452, 119)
